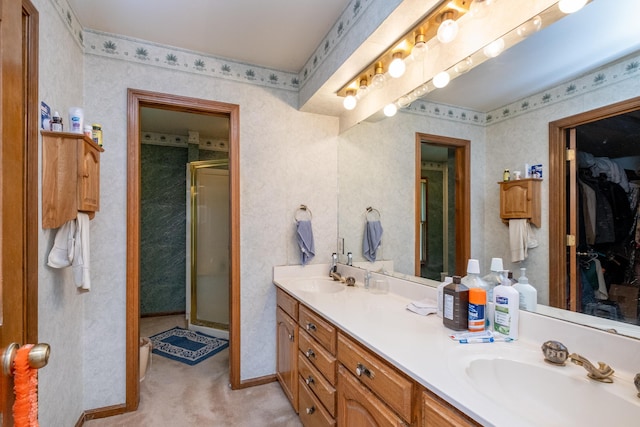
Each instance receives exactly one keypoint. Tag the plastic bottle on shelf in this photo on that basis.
(528, 294)
(56, 122)
(494, 277)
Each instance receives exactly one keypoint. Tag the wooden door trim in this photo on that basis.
(558, 193)
(462, 196)
(136, 100)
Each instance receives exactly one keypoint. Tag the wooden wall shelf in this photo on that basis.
(70, 177)
(520, 199)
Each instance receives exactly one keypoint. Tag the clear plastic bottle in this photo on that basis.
(528, 294)
(494, 277)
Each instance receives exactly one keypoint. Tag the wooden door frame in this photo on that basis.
(19, 176)
(558, 192)
(462, 197)
(135, 100)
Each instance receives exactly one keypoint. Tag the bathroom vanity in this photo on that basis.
(348, 357)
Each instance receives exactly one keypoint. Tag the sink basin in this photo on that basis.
(323, 285)
(543, 394)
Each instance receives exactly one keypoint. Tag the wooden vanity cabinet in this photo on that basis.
(520, 199)
(287, 346)
(70, 177)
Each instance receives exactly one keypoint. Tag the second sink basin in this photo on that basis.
(550, 395)
(323, 285)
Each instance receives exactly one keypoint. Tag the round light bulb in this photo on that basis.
(494, 48)
(442, 79)
(390, 110)
(530, 27)
(404, 101)
(397, 67)
(570, 6)
(447, 31)
(420, 49)
(378, 80)
(480, 8)
(349, 102)
(463, 66)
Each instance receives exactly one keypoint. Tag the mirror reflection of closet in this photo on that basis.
(605, 278)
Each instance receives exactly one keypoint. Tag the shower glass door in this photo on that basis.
(208, 240)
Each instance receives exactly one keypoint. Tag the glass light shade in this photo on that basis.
(570, 6)
(362, 92)
(442, 79)
(447, 31)
(397, 67)
(463, 66)
(419, 51)
(530, 27)
(404, 101)
(378, 80)
(494, 48)
(390, 110)
(480, 8)
(349, 102)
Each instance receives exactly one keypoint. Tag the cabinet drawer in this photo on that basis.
(392, 387)
(320, 358)
(312, 414)
(437, 413)
(317, 384)
(287, 303)
(318, 328)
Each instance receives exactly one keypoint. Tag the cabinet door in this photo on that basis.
(436, 413)
(287, 360)
(88, 177)
(359, 407)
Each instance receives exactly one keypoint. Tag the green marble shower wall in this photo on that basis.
(163, 226)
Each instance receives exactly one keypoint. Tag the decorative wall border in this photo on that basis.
(628, 67)
(182, 141)
(70, 19)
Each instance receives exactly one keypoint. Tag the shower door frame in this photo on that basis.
(192, 241)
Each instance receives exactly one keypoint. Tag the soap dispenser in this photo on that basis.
(528, 294)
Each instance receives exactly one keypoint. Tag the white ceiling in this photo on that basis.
(279, 34)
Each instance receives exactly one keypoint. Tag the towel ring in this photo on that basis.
(373, 212)
(302, 210)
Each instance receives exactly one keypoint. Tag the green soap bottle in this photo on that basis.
(456, 305)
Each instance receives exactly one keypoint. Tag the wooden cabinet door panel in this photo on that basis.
(287, 360)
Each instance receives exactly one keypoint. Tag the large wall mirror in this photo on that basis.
(504, 107)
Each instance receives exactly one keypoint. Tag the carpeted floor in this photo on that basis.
(175, 395)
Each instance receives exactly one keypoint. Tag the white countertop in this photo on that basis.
(418, 345)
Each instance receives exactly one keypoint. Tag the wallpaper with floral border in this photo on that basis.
(135, 50)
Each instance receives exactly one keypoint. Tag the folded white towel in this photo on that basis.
(61, 254)
(81, 254)
(423, 307)
(521, 238)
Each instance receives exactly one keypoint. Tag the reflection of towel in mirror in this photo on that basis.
(304, 234)
(521, 238)
(372, 239)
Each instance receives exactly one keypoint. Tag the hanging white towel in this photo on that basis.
(521, 238)
(81, 254)
(61, 254)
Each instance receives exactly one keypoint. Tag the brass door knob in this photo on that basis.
(38, 357)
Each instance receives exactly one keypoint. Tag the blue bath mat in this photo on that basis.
(187, 346)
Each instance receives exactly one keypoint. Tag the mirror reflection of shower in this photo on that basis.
(208, 247)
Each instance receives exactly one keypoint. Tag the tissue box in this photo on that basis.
(627, 298)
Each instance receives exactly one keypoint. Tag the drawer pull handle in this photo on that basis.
(311, 327)
(363, 370)
(309, 380)
(291, 337)
(311, 410)
(310, 353)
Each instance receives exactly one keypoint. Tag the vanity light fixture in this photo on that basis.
(350, 100)
(494, 48)
(441, 79)
(464, 65)
(390, 110)
(419, 51)
(570, 6)
(397, 66)
(448, 29)
(480, 8)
